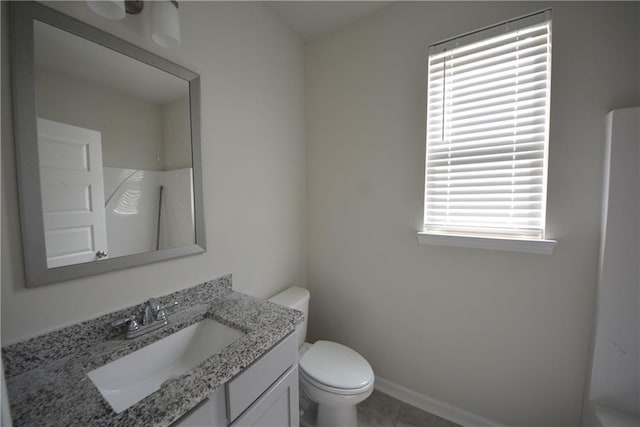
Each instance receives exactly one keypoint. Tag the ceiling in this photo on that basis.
(313, 19)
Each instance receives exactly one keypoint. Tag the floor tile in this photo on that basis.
(410, 416)
(379, 410)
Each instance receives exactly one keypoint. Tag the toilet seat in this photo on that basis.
(336, 369)
(305, 378)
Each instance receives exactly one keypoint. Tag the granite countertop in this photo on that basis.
(47, 378)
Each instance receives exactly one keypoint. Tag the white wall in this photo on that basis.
(132, 129)
(176, 134)
(253, 152)
(136, 133)
(503, 335)
(5, 416)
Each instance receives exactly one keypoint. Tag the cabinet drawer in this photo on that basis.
(244, 389)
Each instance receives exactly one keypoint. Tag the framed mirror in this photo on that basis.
(107, 148)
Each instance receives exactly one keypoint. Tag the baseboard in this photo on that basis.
(434, 406)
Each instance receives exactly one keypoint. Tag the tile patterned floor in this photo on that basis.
(381, 410)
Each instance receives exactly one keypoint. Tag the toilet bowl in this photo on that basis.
(337, 378)
(332, 375)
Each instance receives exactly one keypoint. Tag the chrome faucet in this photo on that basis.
(153, 317)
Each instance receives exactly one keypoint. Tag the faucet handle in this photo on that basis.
(173, 304)
(160, 314)
(131, 321)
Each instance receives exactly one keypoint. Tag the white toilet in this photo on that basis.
(334, 376)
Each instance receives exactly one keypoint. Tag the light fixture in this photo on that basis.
(133, 7)
(165, 19)
(165, 23)
(110, 9)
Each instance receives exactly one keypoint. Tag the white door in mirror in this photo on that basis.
(72, 193)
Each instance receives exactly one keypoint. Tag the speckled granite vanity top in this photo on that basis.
(47, 376)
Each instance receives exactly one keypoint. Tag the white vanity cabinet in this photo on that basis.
(277, 407)
(263, 395)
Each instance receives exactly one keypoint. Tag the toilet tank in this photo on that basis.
(298, 299)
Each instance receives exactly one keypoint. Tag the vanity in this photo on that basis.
(251, 379)
(265, 394)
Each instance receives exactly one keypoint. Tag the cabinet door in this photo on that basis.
(277, 407)
(211, 412)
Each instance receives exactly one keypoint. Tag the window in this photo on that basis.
(487, 132)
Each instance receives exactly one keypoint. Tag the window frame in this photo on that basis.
(475, 236)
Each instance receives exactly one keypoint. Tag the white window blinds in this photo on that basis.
(487, 131)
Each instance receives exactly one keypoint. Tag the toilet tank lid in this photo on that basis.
(292, 297)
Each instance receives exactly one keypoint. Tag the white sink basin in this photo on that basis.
(130, 379)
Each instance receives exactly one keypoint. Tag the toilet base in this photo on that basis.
(333, 416)
(308, 410)
(332, 410)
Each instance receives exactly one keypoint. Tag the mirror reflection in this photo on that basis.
(114, 147)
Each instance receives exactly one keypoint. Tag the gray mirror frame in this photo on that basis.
(22, 15)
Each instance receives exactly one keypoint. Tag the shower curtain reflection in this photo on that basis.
(137, 220)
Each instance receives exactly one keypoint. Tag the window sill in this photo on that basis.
(533, 246)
